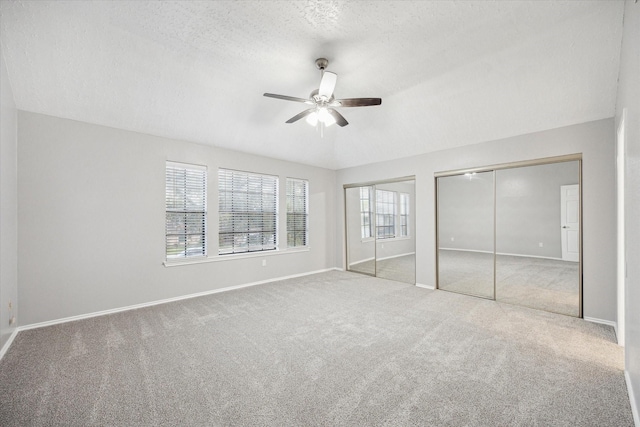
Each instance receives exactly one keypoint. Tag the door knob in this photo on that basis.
(564, 226)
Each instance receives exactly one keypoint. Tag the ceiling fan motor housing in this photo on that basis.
(322, 63)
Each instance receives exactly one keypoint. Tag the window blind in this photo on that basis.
(385, 214)
(404, 214)
(248, 212)
(186, 210)
(297, 206)
(365, 212)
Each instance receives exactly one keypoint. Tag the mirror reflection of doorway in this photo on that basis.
(380, 227)
(513, 234)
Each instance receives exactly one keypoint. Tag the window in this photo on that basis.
(365, 212)
(248, 212)
(385, 214)
(404, 214)
(186, 210)
(297, 233)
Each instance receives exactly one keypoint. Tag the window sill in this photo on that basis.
(232, 257)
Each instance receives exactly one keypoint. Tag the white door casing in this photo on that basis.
(570, 222)
(621, 255)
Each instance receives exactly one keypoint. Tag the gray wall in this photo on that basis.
(595, 140)
(465, 212)
(92, 219)
(629, 98)
(527, 210)
(359, 249)
(8, 207)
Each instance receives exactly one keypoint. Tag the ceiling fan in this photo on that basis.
(323, 101)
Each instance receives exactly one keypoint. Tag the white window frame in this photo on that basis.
(297, 212)
(185, 211)
(244, 229)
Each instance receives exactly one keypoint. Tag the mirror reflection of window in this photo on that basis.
(365, 212)
(385, 214)
(404, 214)
(379, 224)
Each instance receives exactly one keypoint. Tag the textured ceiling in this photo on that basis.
(450, 73)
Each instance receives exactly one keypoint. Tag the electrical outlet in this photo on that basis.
(453, 238)
(264, 262)
(540, 244)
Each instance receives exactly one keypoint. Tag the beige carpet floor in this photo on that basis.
(400, 269)
(545, 284)
(332, 349)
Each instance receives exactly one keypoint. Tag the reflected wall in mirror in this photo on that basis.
(380, 227)
(537, 237)
(465, 234)
(361, 249)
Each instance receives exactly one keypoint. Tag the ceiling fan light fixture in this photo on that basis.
(322, 99)
(324, 117)
(312, 119)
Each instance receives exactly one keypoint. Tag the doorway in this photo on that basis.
(380, 229)
(570, 222)
(512, 233)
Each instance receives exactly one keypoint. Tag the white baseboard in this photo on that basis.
(533, 256)
(420, 285)
(632, 399)
(611, 323)
(381, 259)
(466, 250)
(603, 322)
(163, 301)
(361, 261)
(6, 345)
(505, 254)
(396, 256)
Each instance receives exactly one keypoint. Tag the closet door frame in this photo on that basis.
(511, 165)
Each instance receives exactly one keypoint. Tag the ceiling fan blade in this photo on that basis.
(327, 84)
(289, 98)
(340, 120)
(357, 102)
(301, 115)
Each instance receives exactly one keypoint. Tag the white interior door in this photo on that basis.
(570, 222)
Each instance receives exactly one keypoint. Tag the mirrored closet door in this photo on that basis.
(380, 227)
(465, 230)
(512, 233)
